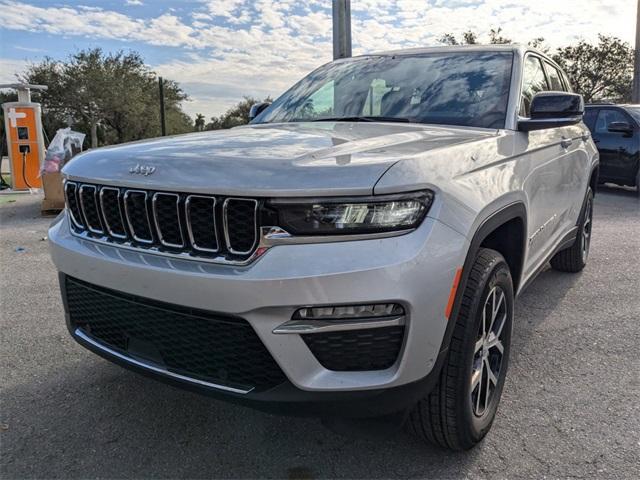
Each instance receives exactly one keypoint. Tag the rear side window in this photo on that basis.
(554, 78)
(534, 82)
(607, 116)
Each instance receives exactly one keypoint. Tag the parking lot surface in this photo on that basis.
(570, 407)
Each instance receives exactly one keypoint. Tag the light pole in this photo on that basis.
(342, 28)
(636, 68)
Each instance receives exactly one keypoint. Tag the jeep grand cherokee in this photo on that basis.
(354, 251)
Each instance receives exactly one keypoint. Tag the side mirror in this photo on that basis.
(257, 109)
(553, 109)
(620, 127)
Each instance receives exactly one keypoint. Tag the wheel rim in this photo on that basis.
(488, 351)
(586, 231)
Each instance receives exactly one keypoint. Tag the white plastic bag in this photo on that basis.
(62, 148)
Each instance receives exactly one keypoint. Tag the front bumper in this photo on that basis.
(415, 270)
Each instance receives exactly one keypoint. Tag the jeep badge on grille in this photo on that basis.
(142, 170)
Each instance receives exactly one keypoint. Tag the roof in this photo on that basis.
(516, 48)
(454, 48)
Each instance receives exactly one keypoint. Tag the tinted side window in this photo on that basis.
(534, 82)
(554, 78)
(589, 118)
(607, 116)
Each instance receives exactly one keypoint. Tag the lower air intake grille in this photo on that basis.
(357, 350)
(193, 343)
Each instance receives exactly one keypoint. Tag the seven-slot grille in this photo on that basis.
(176, 223)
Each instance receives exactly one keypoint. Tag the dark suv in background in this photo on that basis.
(616, 133)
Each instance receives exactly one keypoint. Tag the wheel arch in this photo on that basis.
(509, 221)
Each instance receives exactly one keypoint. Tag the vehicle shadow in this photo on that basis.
(92, 419)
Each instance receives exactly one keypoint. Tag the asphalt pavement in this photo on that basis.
(570, 408)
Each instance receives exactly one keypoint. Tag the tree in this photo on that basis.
(237, 115)
(113, 97)
(471, 38)
(468, 38)
(599, 72)
(497, 39)
(200, 122)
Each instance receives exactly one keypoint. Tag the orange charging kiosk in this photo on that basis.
(25, 141)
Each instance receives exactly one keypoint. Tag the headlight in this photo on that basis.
(352, 215)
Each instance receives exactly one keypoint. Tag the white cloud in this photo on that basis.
(9, 67)
(133, 3)
(260, 47)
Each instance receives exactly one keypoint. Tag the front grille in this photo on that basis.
(193, 343)
(202, 226)
(89, 205)
(357, 350)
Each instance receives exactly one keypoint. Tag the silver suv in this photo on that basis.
(355, 251)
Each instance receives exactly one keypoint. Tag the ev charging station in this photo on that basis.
(24, 136)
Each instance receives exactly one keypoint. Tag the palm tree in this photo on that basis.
(199, 122)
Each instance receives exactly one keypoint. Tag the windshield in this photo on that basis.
(469, 89)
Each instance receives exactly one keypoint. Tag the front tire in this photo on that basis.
(574, 258)
(460, 410)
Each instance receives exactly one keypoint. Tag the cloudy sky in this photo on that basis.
(220, 50)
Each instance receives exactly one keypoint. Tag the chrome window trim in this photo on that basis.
(226, 224)
(187, 205)
(337, 325)
(157, 224)
(82, 209)
(75, 195)
(148, 366)
(146, 212)
(106, 221)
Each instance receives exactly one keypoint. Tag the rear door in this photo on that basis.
(617, 161)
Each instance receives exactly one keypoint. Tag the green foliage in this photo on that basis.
(113, 98)
(599, 72)
(235, 116)
(497, 39)
(471, 38)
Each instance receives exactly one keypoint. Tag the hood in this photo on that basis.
(289, 159)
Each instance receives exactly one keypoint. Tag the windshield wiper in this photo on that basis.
(363, 118)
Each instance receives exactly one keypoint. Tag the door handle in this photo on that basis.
(566, 142)
(585, 136)
(596, 141)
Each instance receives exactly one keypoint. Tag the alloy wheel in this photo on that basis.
(488, 351)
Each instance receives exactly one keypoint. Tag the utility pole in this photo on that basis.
(342, 28)
(163, 126)
(636, 68)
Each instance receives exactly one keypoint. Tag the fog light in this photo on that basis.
(349, 311)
